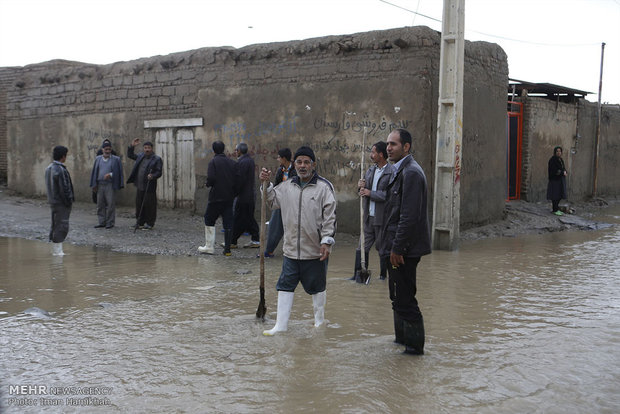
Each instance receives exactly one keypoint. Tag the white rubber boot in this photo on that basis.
(285, 304)
(57, 249)
(318, 303)
(209, 247)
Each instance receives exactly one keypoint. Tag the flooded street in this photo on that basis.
(513, 325)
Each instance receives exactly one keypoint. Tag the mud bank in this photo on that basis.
(180, 232)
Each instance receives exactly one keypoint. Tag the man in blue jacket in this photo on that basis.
(405, 239)
(144, 175)
(106, 179)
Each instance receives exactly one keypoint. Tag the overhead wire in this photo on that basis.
(491, 35)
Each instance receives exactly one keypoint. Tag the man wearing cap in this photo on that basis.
(144, 175)
(308, 207)
(106, 178)
(405, 239)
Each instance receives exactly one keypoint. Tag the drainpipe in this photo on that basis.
(598, 125)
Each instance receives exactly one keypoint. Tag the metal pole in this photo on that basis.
(598, 124)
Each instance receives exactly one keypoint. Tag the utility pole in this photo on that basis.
(448, 161)
(597, 135)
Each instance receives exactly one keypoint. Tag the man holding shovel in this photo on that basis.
(308, 208)
(372, 189)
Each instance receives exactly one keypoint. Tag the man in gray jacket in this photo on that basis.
(106, 178)
(372, 190)
(405, 239)
(308, 208)
(60, 197)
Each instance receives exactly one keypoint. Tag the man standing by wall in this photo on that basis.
(405, 239)
(60, 197)
(144, 175)
(244, 207)
(106, 179)
(372, 189)
(285, 172)
(221, 178)
(308, 209)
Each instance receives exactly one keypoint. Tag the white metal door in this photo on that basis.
(185, 179)
(164, 147)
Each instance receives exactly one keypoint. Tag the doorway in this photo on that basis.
(513, 157)
(174, 143)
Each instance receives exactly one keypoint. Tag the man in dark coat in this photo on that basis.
(60, 197)
(145, 172)
(221, 178)
(244, 206)
(406, 238)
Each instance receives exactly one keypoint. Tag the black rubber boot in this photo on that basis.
(383, 263)
(358, 265)
(414, 337)
(227, 237)
(398, 329)
(359, 277)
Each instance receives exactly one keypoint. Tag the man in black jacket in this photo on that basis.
(406, 237)
(60, 197)
(221, 178)
(244, 206)
(144, 175)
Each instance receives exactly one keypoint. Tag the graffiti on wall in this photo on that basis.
(235, 132)
(94, 138)
(375, 127)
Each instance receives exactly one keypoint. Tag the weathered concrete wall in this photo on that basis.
(548, 124)
(318, 92)
(7, 79)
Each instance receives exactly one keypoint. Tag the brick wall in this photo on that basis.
(317, 92)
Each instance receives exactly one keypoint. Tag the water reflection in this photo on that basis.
(528, 324)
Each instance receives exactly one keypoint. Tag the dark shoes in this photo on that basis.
(100, 226)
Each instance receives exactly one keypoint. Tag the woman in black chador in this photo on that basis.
(556, 189)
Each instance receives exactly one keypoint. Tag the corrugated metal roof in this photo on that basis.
(548, 89)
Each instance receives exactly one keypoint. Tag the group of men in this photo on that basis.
(395, 220)
(232, 197)
(303, 211)
(106, 179)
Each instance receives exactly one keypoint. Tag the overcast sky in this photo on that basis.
(554, 41)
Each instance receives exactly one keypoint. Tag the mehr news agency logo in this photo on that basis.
(43, 395)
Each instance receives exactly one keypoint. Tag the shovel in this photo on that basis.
(363, 275)
(262, 309)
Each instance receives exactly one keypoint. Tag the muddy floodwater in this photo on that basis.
(529, 324)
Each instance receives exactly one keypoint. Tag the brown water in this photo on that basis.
(514, 325)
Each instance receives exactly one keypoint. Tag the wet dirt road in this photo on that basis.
(523, 324)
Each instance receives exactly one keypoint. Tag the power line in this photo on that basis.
(495, 36)
(410, 11)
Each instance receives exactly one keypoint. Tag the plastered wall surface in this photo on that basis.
(573, 127)
(318, 92)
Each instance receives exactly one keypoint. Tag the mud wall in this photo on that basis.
(319, 92)
(572, 126)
